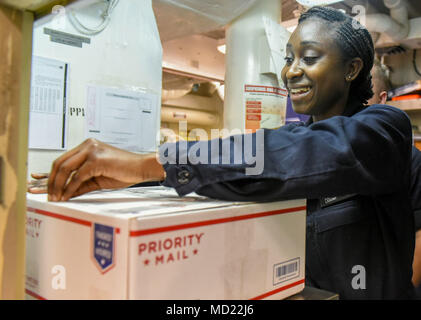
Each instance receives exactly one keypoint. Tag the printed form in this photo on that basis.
(47, 116)
(126, 119)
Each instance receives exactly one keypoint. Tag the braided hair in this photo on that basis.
(354, 40)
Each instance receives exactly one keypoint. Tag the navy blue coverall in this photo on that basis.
(355, 173)
(416, 195)
(416, 186)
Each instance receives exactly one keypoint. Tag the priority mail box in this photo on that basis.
(149, 243)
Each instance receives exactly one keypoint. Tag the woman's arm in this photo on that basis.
(368, 153)
(416, 265)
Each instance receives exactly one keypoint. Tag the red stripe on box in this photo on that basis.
(59, 216)
(265, 295)
(34, 295)
(65, 218)
(137, 233)
(270, 293)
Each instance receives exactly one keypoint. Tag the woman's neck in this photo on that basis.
(337, 110)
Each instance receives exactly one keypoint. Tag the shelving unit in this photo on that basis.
(406, 105)
(16, 25)
(413, 109)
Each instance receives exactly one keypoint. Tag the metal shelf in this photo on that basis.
(406, 105)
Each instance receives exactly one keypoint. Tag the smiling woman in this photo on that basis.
(328, 62)
(351, 162)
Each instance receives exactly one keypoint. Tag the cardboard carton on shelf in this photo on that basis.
(148, 243)
(407, 97)
(406, 105)
(410, 88)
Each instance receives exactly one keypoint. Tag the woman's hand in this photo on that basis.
(94, 165)
(39, 185)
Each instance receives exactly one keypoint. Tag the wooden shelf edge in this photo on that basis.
(406, 105)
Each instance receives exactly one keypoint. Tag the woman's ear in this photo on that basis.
(354, 68)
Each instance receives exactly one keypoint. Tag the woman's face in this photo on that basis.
(315, 72)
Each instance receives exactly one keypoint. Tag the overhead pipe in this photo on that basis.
(395, 25)
(243, 59)
(196, 117)
(171, 94)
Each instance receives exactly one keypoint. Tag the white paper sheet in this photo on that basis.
(48, 104)
(123, 118)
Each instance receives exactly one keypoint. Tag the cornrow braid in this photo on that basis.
(354, 40)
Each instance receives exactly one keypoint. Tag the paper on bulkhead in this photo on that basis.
(48, 104)
(126, 119)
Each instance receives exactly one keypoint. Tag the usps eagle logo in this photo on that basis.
(103, 247)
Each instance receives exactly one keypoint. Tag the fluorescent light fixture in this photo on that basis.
(290, 25)
(221, 91)
(292, 28)
(221, 48)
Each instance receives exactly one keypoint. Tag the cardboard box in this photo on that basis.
(148, 243)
